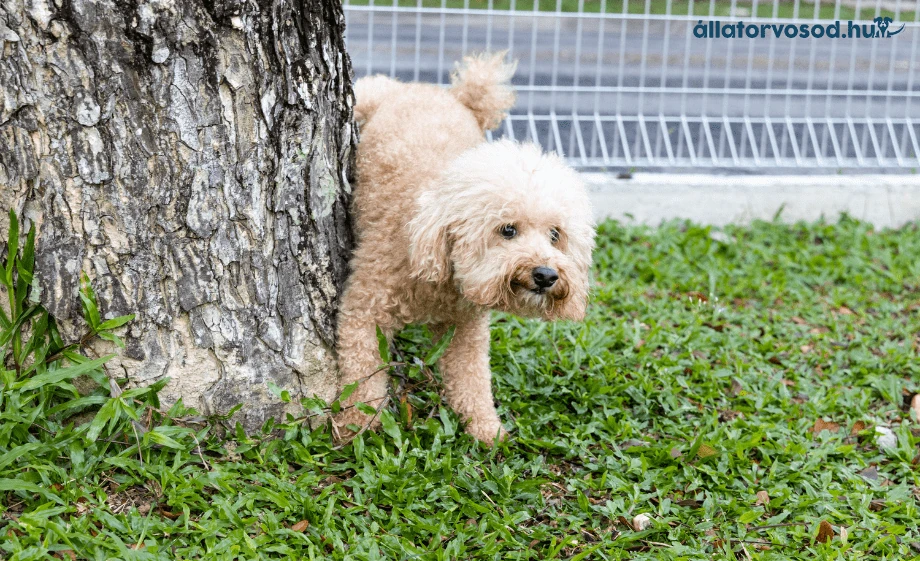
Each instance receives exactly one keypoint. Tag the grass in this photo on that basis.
(704, 9)
(727, 384)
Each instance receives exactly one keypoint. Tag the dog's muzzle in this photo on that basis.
(544, 278)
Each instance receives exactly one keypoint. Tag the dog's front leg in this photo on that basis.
(359, 361)
(468, 380)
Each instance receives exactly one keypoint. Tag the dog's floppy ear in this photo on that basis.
(429, 241)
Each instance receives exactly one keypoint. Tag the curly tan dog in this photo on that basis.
(449, 228)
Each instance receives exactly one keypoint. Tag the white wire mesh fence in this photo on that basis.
(634, 84)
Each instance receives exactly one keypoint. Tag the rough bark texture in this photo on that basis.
(192, 157)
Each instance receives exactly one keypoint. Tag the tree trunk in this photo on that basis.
(193, 158)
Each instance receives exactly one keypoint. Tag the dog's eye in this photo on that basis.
(508, 231)
(554, 235)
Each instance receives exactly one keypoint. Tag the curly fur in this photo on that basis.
(481, 83)
(430, 202)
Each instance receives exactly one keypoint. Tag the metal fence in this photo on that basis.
(632, 84)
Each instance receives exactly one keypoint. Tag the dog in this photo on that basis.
(450, 227)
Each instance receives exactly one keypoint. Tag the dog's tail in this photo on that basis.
(370, 91)
(482, 83)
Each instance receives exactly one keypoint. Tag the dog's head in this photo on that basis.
(511, 228)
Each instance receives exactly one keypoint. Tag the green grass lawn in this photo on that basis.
(725, 384)
(704, 9)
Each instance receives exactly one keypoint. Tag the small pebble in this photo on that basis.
(885, 438)
(641, 522)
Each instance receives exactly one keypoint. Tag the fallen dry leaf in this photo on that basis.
(762, 498)
(798, 320)
(737, 388)
(729, 415)
(705, 451)
(692, 503)
(915, 408)
(869, 474)
(845, 311)
(81, 506)
(66, 554)
(858, 427)
(822, 425)
(300, 526)
(168, 514)
(676, 453)
(825, 532)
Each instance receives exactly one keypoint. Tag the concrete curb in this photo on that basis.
(884, 200)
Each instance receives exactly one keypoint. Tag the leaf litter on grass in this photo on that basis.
(604, 429)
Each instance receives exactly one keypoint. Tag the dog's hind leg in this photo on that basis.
(359, 361)
(468, 380)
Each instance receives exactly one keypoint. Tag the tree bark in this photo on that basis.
(193, 158)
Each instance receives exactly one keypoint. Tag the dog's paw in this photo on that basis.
(353, 417)
(486, 430)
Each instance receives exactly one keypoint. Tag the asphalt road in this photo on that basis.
(659, 69)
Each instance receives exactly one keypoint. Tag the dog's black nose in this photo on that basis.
(544, 277)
